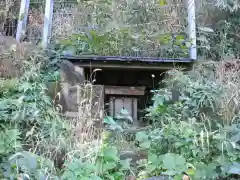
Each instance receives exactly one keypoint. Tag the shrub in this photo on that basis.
(191, 131)
(29, 120)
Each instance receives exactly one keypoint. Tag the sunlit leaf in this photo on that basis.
(162, 2)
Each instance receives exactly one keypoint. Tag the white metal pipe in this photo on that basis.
(192, 28)
(47, 23)
(22, 19)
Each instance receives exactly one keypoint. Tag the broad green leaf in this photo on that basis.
(109, 165)
(109, 120)
(174, 162)
(190, 172)
(110, 153)
(145, 144)
(178, 177)
(152, 158)
(222, 159)
(141, 136)
(207, 171)
(125, 164)
(158, 100)
(32, 162)
(151, 167)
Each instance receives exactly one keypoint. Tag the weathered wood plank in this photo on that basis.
(86, 102)
(102, 65)
(135, 130)
(125, 90)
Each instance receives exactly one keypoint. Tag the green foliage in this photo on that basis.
(228, 5)
(29, 122)
(120, 42)
(34, 137)
(27, 105)
(107, 166)
(192, 129)
(223, 41)
(168, 164)
(112, 124)
(110, 166)
(9, 141)
(200, 149)
(79, 170)
(28, 166)
(196, 96)
(127, 28)
(115, 134)
(120, 121)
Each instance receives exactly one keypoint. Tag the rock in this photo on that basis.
(162, 177)
(133, 156)
(165, 177)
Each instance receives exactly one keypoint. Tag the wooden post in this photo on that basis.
(192, 28)
(47, 23)
(22, 19)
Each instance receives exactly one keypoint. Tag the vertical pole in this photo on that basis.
(22, 19)
(47, 23)
(192, 28)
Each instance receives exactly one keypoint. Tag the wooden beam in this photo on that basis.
(135, 130)
(125, 90)
(100, 65)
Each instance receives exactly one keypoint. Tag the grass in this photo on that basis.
(226, 74)
(43, 130)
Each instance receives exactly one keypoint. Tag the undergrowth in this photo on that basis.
(197, 132)
(29, 122)
(37, 142)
